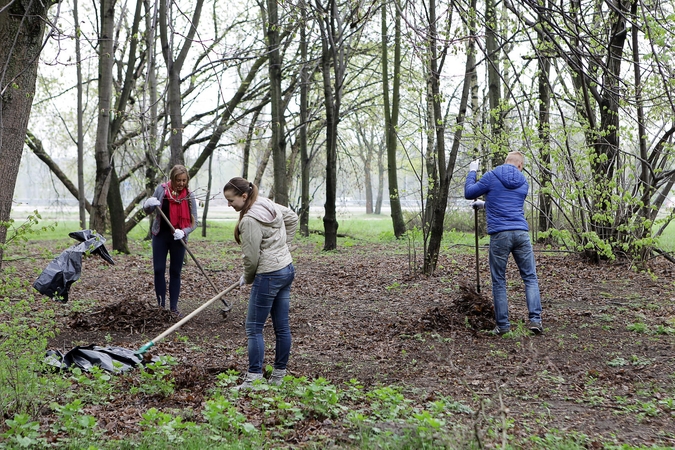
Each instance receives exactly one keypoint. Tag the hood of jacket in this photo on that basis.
(263, 211)
(510, 176)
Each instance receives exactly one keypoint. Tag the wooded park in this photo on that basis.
(362, 118)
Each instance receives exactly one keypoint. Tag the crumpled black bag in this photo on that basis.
(111, 359)
(65, 269)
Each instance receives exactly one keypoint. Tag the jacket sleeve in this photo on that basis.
(290, 222)
(474, 189)
(251, 239)
(193, 213)
(159, 195)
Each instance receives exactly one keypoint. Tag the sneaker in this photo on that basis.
(499, 331)
(277, 377)
(176, 313)
(249, 379)
(535, 327)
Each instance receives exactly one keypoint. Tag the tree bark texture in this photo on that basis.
(22, 25)
(391, 112)
(98, 217)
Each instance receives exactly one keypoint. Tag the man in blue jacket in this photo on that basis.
(505, 189)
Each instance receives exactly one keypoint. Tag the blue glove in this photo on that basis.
(478, 204)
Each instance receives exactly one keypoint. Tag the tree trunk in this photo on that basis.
(99, 210)
(494, 84)
(440, 204)
(278, 121)
(543, 127)
(174, 67)
(80, 124)
(22, 26)
(207, 201)
(391, 112)
(304, 153)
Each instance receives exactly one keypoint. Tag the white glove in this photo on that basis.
(473, 167)
(478, 204)
(242, 281)
(178, 234)
(151, 202)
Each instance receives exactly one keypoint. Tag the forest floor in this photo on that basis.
(605, 366)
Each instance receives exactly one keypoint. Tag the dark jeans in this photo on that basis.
(164, 244)
(516, 243)
(270, 295)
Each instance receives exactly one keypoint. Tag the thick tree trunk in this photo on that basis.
(22, 26)
(494, 84)
(99, 210)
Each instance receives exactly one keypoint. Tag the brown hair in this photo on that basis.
(176, 170)
(241, 186)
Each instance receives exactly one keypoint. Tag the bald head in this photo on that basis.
(515, 158)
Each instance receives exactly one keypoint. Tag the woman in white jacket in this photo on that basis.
(264, 231)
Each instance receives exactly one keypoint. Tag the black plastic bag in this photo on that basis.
(65, 269)
(112, 359)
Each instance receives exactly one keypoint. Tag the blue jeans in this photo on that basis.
(164, 244)
(270, 295)
(517, 243)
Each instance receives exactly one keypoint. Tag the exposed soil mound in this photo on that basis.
(123, 316)
(469, 308)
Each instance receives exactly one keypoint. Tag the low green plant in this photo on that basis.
(638, 327)
(22, 432)
(156, 378)
(77, 427)
(171, 429)
(24, 332)
(95, 386)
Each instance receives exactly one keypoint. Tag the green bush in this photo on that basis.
(24, 332)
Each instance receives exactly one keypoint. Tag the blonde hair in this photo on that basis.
(240, 186)
(515, 157)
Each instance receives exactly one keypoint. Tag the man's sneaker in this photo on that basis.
(249, 379)
(535, 327)
(499, 331)
(277, 377)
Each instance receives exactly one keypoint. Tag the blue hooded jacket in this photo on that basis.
(505, 189)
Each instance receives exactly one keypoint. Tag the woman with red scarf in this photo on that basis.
(180, 207)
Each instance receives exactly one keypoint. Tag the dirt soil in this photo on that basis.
(361, 312)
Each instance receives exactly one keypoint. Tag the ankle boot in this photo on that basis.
(249, 379)
(277, 377)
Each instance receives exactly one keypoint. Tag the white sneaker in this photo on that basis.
(249, 379)
(277, 377)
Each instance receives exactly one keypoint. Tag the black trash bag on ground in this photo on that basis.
(65, 269)
(111, 359)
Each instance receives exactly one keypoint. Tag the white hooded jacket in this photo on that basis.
(266, 232)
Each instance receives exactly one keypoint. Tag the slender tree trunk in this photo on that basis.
(278, 121)
(22, 28)
(174, 66)
(99, 210)
(380, 178)
(207, 201)
(543, 128)
(304, 154)
(80, 125)
(332, 56)
(440, 204)
(391, 112)
(249, 142)
(494, 84)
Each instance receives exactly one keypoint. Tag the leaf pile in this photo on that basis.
(123, 315)
(468, 308)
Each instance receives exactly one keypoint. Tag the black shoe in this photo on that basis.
(499, 331)
(535, 327)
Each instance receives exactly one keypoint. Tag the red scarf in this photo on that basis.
(179, 207)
